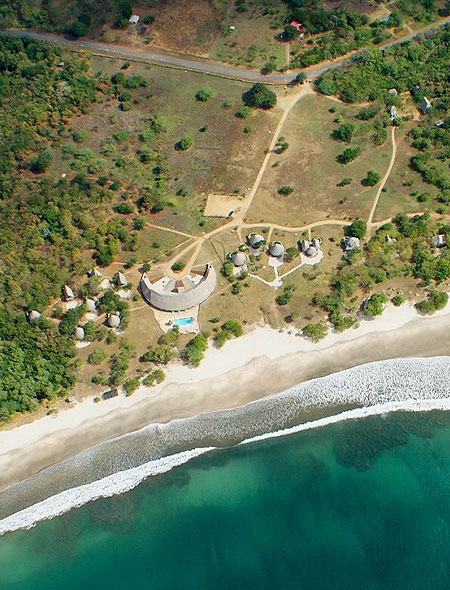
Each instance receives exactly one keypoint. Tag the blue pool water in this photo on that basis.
(183, 321)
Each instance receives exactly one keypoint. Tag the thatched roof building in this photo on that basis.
(179, 294)
(276, 249)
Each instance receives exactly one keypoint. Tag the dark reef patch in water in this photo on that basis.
(363, 444)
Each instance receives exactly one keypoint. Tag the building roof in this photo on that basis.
(79, 333)
(113, 320)
(122, 279)
(68, 293)
(311, 251)
(393, 91)
(296, 25)
(438, 240)
(109, 394)
(90, 305)
(425, 105)
(34, 315)
(177, 295)
(134, 19)
(238, 258)
(276, 249)
(255, 240)
(351, 243)
(393, 111)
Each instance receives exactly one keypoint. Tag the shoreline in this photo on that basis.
(262, 362)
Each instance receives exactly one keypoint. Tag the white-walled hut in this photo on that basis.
(276, 249)
(255, 240)
(90, 305)
(79, 333)
(113, 320)
(238, 258)
(68, 293)
(121, 279)
(34, 315)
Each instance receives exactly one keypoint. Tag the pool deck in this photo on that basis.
(165, 320)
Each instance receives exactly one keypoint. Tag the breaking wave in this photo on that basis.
(413, 385)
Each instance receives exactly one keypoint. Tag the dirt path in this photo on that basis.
(382, 183)
(197, 64)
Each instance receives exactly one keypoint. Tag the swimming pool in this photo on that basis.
(183, 321)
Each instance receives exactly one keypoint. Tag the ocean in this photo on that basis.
(359, 503)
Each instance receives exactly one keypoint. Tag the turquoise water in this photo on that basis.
(358, 505)
(183, 322)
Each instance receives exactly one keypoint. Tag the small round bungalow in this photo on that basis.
(238, 258)
(276, 249)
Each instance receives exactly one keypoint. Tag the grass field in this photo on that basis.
(309, 166)
(222, 159)
(404, 186)
(253, 41)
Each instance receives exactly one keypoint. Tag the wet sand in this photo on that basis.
(256, 379)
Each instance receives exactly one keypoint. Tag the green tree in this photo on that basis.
(183, 144)
(357, 229)
(371, 178)
(348, 155)
(375, 304)
(259, 96)
(315, 331)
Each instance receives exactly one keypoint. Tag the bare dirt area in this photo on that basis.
(179, 25)
(221, 205)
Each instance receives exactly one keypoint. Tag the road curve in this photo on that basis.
(198, 64)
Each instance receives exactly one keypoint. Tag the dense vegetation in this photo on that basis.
(421, 66)
(75, 16)
(400, 250)
(52, 226)
(335, 32)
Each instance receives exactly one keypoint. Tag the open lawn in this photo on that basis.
(309, 166)
(224, 157)
(253, 41)
(404, 185)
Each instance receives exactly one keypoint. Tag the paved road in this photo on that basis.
(197, 64)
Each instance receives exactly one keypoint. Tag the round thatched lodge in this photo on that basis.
(179, 294)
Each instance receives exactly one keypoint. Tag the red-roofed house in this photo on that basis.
(297, 25)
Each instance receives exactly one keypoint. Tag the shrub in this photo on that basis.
(183, 144)
(344, 132)
(96, 356)
(375, 304)
(397, 300)
(345, 181)
(259, 96)
(80, 135)
(436, 300)
(160, 355)
(41, 162)
(149, 19)
(371, 179)
(204, 93)
(177, 266)
(285, 190)
(131, 385)
(244, 112)
(348, 155)
(124, 208)
(315, 332)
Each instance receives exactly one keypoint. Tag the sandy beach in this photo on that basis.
(262, 362)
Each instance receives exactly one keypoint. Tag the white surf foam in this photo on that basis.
(413, 385)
